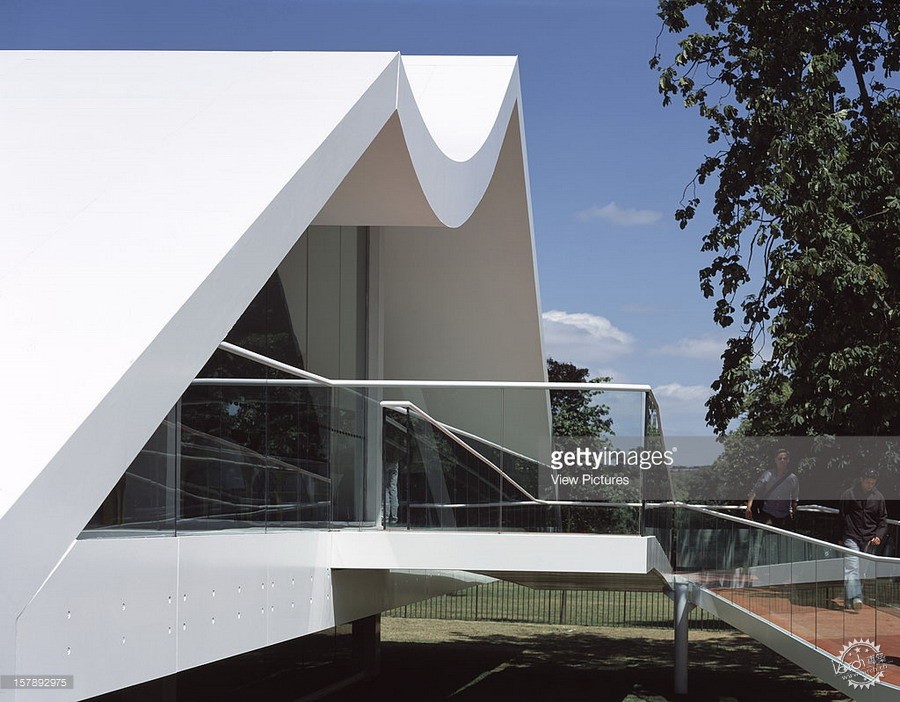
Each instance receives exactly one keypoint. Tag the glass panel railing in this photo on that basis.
(144, 498)
(837, 599)
(252, 455)
(517, 474)
(447, 484)
(281, 452)
(255, 457)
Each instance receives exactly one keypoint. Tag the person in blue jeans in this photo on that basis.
(864, 519)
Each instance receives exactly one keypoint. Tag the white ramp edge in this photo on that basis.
(813, 660)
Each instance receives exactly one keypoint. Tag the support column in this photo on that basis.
(367, 645)
(683, 608)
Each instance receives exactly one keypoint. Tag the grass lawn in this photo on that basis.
(465, 661)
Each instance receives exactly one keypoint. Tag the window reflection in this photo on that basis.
(259, 456)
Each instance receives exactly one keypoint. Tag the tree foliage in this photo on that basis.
(805, 121)
(574, 412)
(577, 413)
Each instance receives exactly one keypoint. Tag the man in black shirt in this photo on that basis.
(864, 518)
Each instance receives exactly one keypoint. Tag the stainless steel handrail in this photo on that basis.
(812, 509)
(406, 406)
(306, 378)
(783, 532)
(343, 383)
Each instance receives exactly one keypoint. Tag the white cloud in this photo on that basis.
(623, 216)
(676, 392)
(705, 348)
(585, 339)
(600, 328)
(683, 409)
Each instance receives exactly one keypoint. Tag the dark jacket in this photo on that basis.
(864, 516)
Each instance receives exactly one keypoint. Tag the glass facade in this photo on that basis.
(244, 456)
(144, 498)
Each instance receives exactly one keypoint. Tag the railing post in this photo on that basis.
(683, 609)
(642, 518)
(407, 468)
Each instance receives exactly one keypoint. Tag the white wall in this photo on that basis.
(463, 304)
(121, 611)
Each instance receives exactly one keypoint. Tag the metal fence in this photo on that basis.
(504, 601)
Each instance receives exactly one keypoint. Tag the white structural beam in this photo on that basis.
(512, 556)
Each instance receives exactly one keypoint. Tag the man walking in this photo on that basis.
(778, 490)
(864, 518)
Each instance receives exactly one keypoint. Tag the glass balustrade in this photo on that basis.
(253, 456)
(799, 584)
(265, 453)
(523, 458)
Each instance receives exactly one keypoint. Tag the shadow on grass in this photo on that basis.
(574, 665)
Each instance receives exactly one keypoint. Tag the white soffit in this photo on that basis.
(539, 560)
(145, 197)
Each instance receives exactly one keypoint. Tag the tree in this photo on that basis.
(798, 95)
(574, 412)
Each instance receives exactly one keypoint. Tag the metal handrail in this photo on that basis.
(304, 378)
(406, 406)
(274, 364)
(358, 383)
(812, 509)
(782, 532)
(313, 378)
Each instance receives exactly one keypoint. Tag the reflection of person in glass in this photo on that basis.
(778, 490)
(391, 475)
(864, 519)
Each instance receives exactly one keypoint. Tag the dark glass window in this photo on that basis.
(258, 455)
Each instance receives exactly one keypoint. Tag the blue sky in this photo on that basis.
(619, 280)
